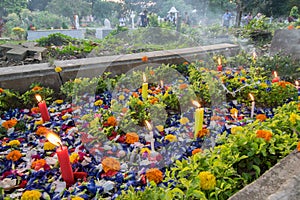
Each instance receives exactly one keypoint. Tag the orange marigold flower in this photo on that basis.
(124, 110)
(185, 63)
(282, 84)
(151, 72)
(1, 90)
(155, 175)
(110, 164)
(131, 137)
(183, 86)
(35, 110)
(145, 59)
(153, 100)
(261, 117)
(9, 123)
(298, 146)
(134, 94)
(38, 164)
(198, 150)
(112, 121)
(203, 132)
(14, 155)
(264, 134)
(290, 27)
(41, 130)
(36, 88)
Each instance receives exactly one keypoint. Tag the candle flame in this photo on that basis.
(297, 83)
(219, 61)
(53, 138)
(162, 84)
(148, 125)
(235, 114)
(254, 55)
(251, 96)
(144, 78)
(38, 97)
(197, 104)
(275, 74)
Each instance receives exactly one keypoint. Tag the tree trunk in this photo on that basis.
(239, 12)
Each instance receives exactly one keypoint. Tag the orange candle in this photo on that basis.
(63, 158)
(43, 108)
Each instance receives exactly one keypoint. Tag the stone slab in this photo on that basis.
(281, 182)
(17, 53)
(286, 42)
(76, 33)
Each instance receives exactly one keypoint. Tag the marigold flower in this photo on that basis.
(39, 122)
(1, 90)
(14, 155)
(294, 118)
(131, 138)
(183, 86)
(155, 175)
(74, 157)
(233, 111)
(38, 164)
(171, 138)
(184, 120)
(110, 164)
(58, 69)
(35, 110)
(153, 100)
(14, 143)
(145, 150)
(236, 129)
(77, 80)
(264, 134)
(261, 117)
(203, 132)
(41, 130)
(145, 59)
(59, 101)
(31, 195)
(290, 27)
(98, 102)
(36, 88)
(207, 180)
(298, 146)
(111, 121)
(185, 63)
(77, 198)
(151, 72)
(121, 97)
(160, 128)
(9, 123)
(135, 95)
(48, 146)
(198, 150)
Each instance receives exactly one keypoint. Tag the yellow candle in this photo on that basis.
(254, 56)
(144, 88)
(199, 116)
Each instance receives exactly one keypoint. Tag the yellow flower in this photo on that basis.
(59, 101)
(14, 143)
(74, 157)
(52, 110)
(40, 122)
(233, 111)
(77, 80)
(58, 69)
(65, 117)
(207, 180)
(121, 97)
(293, 118)
(236, 129)
(144, 150)
(31, 195)
(98, 102)
(77, 198)
(48, 146)
(263, 85)
(184, 120)
(171, 138)
(160, 128)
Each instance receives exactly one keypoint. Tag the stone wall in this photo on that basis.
(76, 33)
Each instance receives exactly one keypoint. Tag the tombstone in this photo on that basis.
(107, 23)
(132, 15)
(76, 20)
(286, 42)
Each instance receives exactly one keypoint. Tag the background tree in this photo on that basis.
(103, 9)
(11, 6)
(37, 5)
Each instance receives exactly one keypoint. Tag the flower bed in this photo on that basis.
(128, 142)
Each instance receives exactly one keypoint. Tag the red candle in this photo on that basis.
(63, 158)
(219, 68)
(43, 108)
(276, 78)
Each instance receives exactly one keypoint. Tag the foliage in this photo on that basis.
(56, 39)
(46, 20)
(29, 99)
(294, 12)
(19, 32)
(236, 161)
(9, 99)
(8, 7)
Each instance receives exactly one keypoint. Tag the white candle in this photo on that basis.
(252, 106)
(151, 135)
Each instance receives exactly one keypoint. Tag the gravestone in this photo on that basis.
(286, 42)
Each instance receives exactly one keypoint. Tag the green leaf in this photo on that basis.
(257, 170)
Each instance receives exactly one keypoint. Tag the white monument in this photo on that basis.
(132, 19)
(76, 20)
(107, 23)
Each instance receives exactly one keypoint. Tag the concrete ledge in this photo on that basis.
(21, 77)
(75, 33)
(281, 182)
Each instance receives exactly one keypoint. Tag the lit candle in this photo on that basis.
(43, 108)
(253, 105)
(219, 64)
(276, 78)
(151, 135)
(199, 115)
(235, 115)
(144, 88)
(63, 158)
(254, 55)
(162, 84)
(297, 86)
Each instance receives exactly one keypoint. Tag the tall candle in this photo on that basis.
(43, 108)
(254, 55)
(297, 86)
(276, 78)
(144, 88)
(151, 135)
(252, 105)
(219, 64)
(199, 116)
(63, 158)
